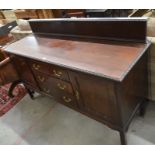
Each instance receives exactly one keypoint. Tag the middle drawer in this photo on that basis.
(52, 85)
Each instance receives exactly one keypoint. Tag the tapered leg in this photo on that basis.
(143, 108)
(31, 93)
(142, 111)
(122, 137)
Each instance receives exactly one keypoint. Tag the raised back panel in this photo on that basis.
(126, 29)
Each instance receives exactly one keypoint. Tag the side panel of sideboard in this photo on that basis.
(133, 90)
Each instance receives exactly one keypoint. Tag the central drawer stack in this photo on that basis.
(53, 81)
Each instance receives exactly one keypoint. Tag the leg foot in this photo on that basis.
(142, 111)
(31, 93)
(143, 108)
(122, 138)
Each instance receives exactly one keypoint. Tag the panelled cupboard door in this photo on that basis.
(97, 96)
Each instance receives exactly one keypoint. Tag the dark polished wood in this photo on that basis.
(111, 60)
(133, 90)
(98, 96)
(106, 81)
(101, 28)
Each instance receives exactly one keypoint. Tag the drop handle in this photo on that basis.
(67, 99)
(61, 86)
(36, 67)
(57, 73)
(42, 79)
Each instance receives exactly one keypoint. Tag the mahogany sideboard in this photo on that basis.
(95, 66)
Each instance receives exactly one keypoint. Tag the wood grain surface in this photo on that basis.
(103, 59)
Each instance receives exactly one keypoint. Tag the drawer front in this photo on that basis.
(39, 66)
(68, 100)
(59, 73)
(53, 84)
(49, 69)
(60, 90)
(24, 71)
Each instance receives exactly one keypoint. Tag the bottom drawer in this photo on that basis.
(66, 99)
(60, 90)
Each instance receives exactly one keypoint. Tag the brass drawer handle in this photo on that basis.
(67, 99)
(42, 79)
(46, 90)
(57, 73)
(60, 86)
(36, 66)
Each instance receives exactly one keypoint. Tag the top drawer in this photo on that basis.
(49, 69)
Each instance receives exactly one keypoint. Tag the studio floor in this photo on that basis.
(43, 121)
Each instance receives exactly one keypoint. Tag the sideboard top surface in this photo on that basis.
(109, 60)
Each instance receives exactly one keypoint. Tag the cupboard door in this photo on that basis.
(98, 97)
